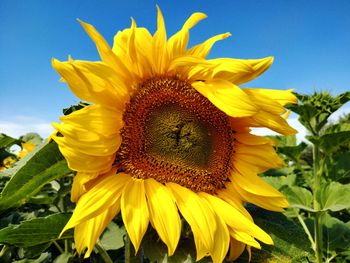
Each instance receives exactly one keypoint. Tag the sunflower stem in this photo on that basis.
(58, 247)
(103, 253)
(306, 230)
(127, 249)
(318, 214)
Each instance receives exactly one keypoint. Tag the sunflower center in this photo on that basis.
(173, 134)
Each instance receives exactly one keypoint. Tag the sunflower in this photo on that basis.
(167, 136)
(27, 147)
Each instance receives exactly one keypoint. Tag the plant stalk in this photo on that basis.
(317, 220)
(127, 250)
(306, 230)
(103, 253)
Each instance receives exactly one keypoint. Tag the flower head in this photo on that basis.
(168, 135)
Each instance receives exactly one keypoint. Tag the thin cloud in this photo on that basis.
(20, 125)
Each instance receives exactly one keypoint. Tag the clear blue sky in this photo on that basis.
(310, 41)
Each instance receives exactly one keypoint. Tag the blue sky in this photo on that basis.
(310, 41)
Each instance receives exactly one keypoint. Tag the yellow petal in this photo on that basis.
(87, 233)
(134, 47)
(261, 155)
(79, 161)
(177, 44)
(96, 118)
(252, 183)
(270, 203)
(273, 122)
(236, 249)
(164, 215)
(160, 53)
(266, 103)
(135, 212)
(245, 238)
(239, 71)
(283, 97)
(93, 82)
(203, 49)
(250, 139)
(199, 216)
(78, 186)
(234, 199)
(227, 97)
(105, 51)
(93, 130)
(235, 219)
(222, 238)
(98, 199)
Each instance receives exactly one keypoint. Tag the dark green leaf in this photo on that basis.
(338, 167)
(35, 251)
(298, 197)
(7, 141)
(36, 231)
(290, 241)
(334, 196)
(336, 233)
(293, 152)
(44, 258)
(330, 142)
(73, 108)
(156, 251)
(43, 166)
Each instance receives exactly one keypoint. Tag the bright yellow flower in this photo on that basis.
(168, 133)
(27, 147)
(8, 162)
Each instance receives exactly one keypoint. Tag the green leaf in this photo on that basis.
(7, 141)
(36, 231)
(338, 167)
(336, 233)
(298, 197)
(113, 237)
(290, 241)
(156, 251)
(330, 142)
(35, 251)
(44, 258)
(31, 174)
(63, 258)
(288, 140)
(293, 152)
(280, 181)
(79, 106)
(334, 196)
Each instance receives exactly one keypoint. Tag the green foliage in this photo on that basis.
(7, 141)
(34, 232)
(334, 196)
(31, 174)
(315, 109)
(299, 197)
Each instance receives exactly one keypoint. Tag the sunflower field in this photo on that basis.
(159, 162)
(36, 183)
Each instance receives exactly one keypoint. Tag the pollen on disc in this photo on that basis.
(174, 134)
